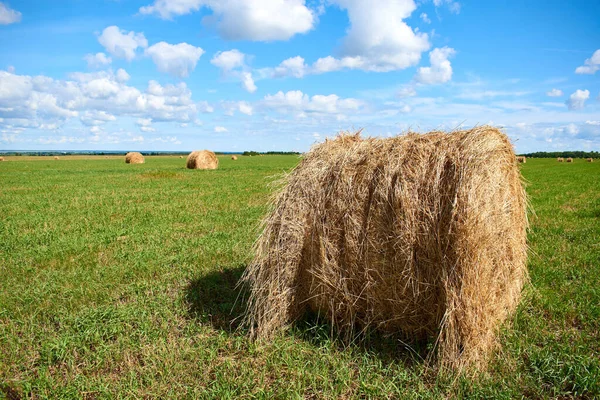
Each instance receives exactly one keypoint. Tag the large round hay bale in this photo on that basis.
(234, 158)
(421, 235)
(204, 159)
(522, 159)
(569, 159)
(590, 160)
(134, 157)
(560, 159)
(1, 158)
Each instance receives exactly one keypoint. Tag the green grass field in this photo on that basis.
(118, 281)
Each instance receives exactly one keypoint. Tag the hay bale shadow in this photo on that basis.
(217, 299)
(397, 348)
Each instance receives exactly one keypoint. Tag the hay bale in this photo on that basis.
(422, 235)
(569, 159)
(204, 159)
(180, 156)
(560, 159)
(133, 157)
(234, 158)
(522, 159)
(56, 158)
(590, 160)
(2, 159)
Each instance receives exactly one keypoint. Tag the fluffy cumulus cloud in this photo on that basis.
(232, 64)
(425, 18)
(220, 129)
(96, 99)
(8, 15)
(440, 70)
(145, 124)
(591, 65)
(120, 43)
(245, 108)
(175, 59)
(97, 60)
(576, 101)
(454, 6)
(554, 93)
(378, 38)
(302, 104)
(259, 20)
(229, 60)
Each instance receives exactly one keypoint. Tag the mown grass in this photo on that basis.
(118, 281)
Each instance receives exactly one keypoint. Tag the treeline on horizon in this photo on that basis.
(563, 154)
(122, 153)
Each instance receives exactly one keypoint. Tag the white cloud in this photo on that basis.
(145, 124)
(440, 70)
(175, 59)
(245, 108)
(299, 103)
(293, 66)
(378, 39)
(8, 15)
(425, 18)
(594, 123)
(407, 91)
(454, 6)
(220, 129)
(591, 65)
(120, 43)
(248, 82)
(229, 60)
(554, 93)
(258, 20)
(577, 100)
(96, 117)
(97, 60)
(122, 76)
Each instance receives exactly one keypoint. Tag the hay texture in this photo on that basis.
(204, 159)
(560, 159)
(1, 158)
(590, 160)
(56, 158)
(134, 158)
(522, 159)
(421, 235)
(234, 158)
(569, 159)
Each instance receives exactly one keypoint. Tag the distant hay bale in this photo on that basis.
(134, 157)
(234, 158)
(2, 159)
(204, 159)
(56, 158)
(422, 235)
(522, 159)
(180, 156)
(560, 159)
(590, 160)
(569, 159)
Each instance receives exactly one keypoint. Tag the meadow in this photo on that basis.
(119, 281)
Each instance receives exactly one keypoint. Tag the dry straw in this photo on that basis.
(56, 158)
(421, 235)
(590, 160)
(560, 159)
(134, 158)
(234, 158)
(204, 159)
(522, 159)
(1, 158)
(569, 159)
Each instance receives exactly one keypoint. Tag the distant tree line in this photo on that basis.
(564, 154)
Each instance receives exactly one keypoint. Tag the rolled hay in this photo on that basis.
(590, 160)
(522, 159)
(560, 159)
(569, 159)
(204, 159)
(56, 158)
(420, 235)
(180, 156)
(234, 158)
(133, 157)
(1, 159)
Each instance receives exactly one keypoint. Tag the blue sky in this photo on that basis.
(233, 75)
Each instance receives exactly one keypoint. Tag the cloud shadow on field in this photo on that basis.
(217, 299)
